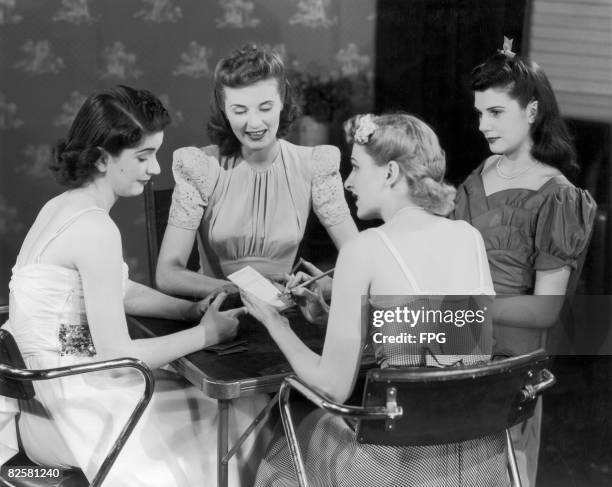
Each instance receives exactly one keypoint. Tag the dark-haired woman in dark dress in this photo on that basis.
(534, 221)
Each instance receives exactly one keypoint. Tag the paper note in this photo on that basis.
(252, 281)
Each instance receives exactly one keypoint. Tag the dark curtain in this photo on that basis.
(425, 50)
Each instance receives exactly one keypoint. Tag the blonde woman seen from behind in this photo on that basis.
(397, 176)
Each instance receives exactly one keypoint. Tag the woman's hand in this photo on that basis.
(220, 326)
(196, 310)
(311, 301)
(325, 283)
(267, 314)
(312, 304)
(229, 288)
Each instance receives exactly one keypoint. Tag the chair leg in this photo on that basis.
(294, 447)
(515, 478)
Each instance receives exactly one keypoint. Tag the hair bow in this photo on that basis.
(506, 49)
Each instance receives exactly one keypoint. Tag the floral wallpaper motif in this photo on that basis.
(7, 12)
(54, 53)
(69, 110)
(36, 162)
(120, 64)
(39, 58)
(313, 13)
(351, 62)
(8, 114)
(75, 12)
(9, 219)
(159, 11)
(237, 14)
(194, 62)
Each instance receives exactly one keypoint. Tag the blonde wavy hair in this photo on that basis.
(415, 147)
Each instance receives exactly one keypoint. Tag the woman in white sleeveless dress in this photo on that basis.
(69, 293)
(397, 176)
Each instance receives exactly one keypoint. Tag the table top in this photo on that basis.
(261, 368)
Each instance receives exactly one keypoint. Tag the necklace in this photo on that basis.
(501, 174)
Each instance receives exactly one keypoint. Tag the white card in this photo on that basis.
(252, 281)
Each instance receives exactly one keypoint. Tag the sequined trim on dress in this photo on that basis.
(75, 340)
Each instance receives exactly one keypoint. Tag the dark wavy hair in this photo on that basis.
(525, 81)
(110, 120)
(243, 67)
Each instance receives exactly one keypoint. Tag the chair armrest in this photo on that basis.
(376, 412)
(13, 373)
(390, 411)
(531, 391)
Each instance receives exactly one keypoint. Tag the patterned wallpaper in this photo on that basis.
(54, 52)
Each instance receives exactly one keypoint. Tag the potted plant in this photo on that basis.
(326, 98)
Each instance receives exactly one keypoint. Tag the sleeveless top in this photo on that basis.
(46, 305)
(464, 344)
(47, 318)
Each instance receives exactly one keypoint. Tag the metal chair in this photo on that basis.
(16, 382)
(499, 394)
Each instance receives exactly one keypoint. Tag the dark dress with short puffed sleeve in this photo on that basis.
(525, 231)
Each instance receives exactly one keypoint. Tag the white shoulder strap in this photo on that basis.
(398, 258)
(63, 227)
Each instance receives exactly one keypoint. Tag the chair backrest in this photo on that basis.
(10, 355)
(452, 404)
(157, 209)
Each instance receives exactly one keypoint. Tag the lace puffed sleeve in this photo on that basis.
(563, 228)
(328, 200)
(195, 174)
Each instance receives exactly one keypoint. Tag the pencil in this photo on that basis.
(297, 265)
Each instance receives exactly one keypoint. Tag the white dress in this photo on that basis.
(75, 420)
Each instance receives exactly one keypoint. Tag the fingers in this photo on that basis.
(278, 286)
(312, 269)
(236, 312)
(296, 279)
(218, 301)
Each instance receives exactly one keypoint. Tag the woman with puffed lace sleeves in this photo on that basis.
(248, 196)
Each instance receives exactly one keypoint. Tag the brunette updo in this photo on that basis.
(110, 120)
(411, 143)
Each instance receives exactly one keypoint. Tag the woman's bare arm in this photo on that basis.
(172, 275)
(540, 310)
(96, 246)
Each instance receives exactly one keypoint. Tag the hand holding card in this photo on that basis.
(253, 282)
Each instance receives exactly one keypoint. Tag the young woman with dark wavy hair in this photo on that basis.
(534, 221)
(69, 294)
(248, 196)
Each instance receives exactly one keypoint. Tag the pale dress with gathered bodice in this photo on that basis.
(246, 216)
(74, 421)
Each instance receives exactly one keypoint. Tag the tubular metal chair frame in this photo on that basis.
(392, 411)
(21, 377)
